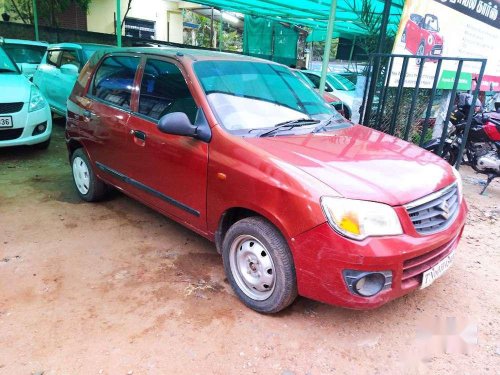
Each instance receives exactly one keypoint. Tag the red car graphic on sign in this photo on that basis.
(421, 36)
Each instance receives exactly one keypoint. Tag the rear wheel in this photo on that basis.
(420, 52)
(259, 265)
(89, 187)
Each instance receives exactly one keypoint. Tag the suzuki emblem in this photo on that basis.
(446, 209)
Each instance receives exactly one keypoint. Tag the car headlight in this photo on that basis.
(458, 181)
(360, 219)
(37, 101)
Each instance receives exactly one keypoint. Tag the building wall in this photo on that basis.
(101, 15)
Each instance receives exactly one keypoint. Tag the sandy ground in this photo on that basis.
(115, 288)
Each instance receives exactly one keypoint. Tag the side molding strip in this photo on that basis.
(147, 189)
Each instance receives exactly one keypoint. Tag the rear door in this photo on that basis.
(107, 112)
(170, 169)
(65, 81)
(47, 74)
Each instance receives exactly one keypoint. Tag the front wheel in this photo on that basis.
(259, 265)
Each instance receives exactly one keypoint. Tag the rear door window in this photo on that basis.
(53, 57)
(164, 90)
(114, 80)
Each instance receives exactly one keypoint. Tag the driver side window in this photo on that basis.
(164, 90)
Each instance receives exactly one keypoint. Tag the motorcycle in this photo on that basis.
(482, 149)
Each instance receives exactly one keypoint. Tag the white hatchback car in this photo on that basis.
(25, 117)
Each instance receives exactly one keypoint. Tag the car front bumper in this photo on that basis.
(21, 134)
(321, 255)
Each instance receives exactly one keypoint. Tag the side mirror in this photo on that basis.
(328, 88)
(69, 69)
(177, 123)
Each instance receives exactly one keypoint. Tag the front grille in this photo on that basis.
(414, 268)
(11, 107)
(9, 134)
(434, 212)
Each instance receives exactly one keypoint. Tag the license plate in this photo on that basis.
(437, 271)
(6, 122)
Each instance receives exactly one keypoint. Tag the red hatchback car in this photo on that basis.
(297, 199)
(421, 35)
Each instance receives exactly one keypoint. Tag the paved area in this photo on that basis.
(115, 288)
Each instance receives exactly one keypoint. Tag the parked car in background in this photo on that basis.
(297, 199)
(421, 36)
(59, 69)
(328, 96)
(27, 54)
(339, 86)
(24, 113)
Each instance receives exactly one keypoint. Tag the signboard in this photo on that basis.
(451, 28)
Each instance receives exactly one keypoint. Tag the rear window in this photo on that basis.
(24, 53)
(114, 79)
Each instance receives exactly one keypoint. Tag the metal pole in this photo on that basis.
(212, 29)
(376, 66)
(35, 21)
(118, 24)
(328, 46)
(220, 30)
(352, 49)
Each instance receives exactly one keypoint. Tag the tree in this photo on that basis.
(48, 10)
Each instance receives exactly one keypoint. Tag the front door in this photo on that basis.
(171, 169)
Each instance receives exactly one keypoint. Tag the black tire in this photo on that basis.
(97, 189)
(42, 146)
(284, 289)
(347, 112)
(420, 46)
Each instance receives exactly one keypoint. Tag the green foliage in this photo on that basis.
(47, 10)
(231, 38)
(371, 21)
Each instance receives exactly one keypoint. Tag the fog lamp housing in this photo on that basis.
(367, 283)
(40, 128)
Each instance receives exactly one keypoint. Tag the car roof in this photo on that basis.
(78, 45)
(188, 53)
(27, 42)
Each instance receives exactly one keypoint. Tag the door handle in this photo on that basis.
(138, 134)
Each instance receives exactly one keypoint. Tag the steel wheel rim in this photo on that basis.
(81, 175)
(252, 267)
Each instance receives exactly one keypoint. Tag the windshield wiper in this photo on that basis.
(324, 125)
(289, 124)
(2, 70)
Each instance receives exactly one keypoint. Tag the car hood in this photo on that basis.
(15, 88)
(361, 163)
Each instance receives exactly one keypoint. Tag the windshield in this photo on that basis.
(6, 64)
(340, 83)
(431, 23)
(247, 95)
(25, 53)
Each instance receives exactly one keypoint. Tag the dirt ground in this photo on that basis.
(115, 288)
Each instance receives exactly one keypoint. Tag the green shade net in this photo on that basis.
(270, 40)
(314, 14)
